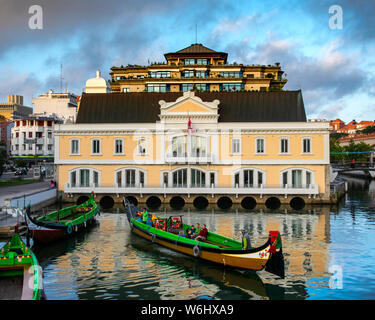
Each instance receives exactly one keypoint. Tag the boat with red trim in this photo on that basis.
(216, 248)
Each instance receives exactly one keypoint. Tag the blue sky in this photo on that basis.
(334, 68)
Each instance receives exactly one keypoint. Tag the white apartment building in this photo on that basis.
(32, 136)
(62, 105)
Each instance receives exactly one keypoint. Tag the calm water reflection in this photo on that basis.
(329, 254)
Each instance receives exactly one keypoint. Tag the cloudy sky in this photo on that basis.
(335, 68)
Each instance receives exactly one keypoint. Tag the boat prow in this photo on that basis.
(20, 273)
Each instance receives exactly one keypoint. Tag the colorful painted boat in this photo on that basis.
(216, 248)
(63, 222)
(20, 273)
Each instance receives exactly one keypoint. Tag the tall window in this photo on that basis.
(284, 145)
(129, 178)
(180, 178)
(198, 178)
(249, 178)
(260, 145)
(236, 145)
(179, 146)
(74, 146)
(141, 146)
(119, 148)
(73, 179)
(306, 145)
(198, 146)
(297, 178)
(84, 179)
(95, 146)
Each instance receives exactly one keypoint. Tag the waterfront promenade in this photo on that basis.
(21, 190)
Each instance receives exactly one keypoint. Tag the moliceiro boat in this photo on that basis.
(63, 222)
(20, 273)
(217, 248)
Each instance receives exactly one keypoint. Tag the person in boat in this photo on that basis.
(191, 232)
(202, 236)
(182, 234)
(145, 215)
(246, 244)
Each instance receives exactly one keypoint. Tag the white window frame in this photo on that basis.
(310, 142)
(264, 145)
(280, 145)
(239, 152)
(289, 177)
(123, 177)
(79, 147)
(188, 176)
(138, 144)
(241, 177)
(91, 177)
(92, 147)
(122, 146)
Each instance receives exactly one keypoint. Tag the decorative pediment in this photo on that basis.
(189, 106)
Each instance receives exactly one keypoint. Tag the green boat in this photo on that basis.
(20, 273)
(63, 222)
(171, 233)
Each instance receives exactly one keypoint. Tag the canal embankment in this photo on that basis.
(14, 198)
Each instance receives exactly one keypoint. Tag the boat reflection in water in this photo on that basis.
(108, 262)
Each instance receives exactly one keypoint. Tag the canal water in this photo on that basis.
(329, 254)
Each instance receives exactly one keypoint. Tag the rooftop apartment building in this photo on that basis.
(62, 105)
(196, 68)
(32, 137)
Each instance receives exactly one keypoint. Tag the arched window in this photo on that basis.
(130, 178)
(84, 178)
(188, 178)
(249, 178)
(296, 178)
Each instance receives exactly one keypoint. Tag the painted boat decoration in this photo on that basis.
(20, 274)
(63, 222)
(216, 248)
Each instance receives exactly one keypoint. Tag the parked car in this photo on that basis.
(21, 171)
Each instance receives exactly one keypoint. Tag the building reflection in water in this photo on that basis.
(110, 263)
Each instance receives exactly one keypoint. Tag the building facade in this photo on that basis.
(196, 68)
(14, 108)
(32, 138)
(5, 133)
(62, 105)
(198, 148)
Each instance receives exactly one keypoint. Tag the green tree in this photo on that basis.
(3, 160)
(20, 163)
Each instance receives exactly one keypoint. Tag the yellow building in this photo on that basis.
(196, 67)
(14, 108)
(241, 147)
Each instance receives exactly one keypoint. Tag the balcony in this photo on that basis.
(189, 158)
(310, 190)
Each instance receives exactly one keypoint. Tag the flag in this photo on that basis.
(190, 127)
